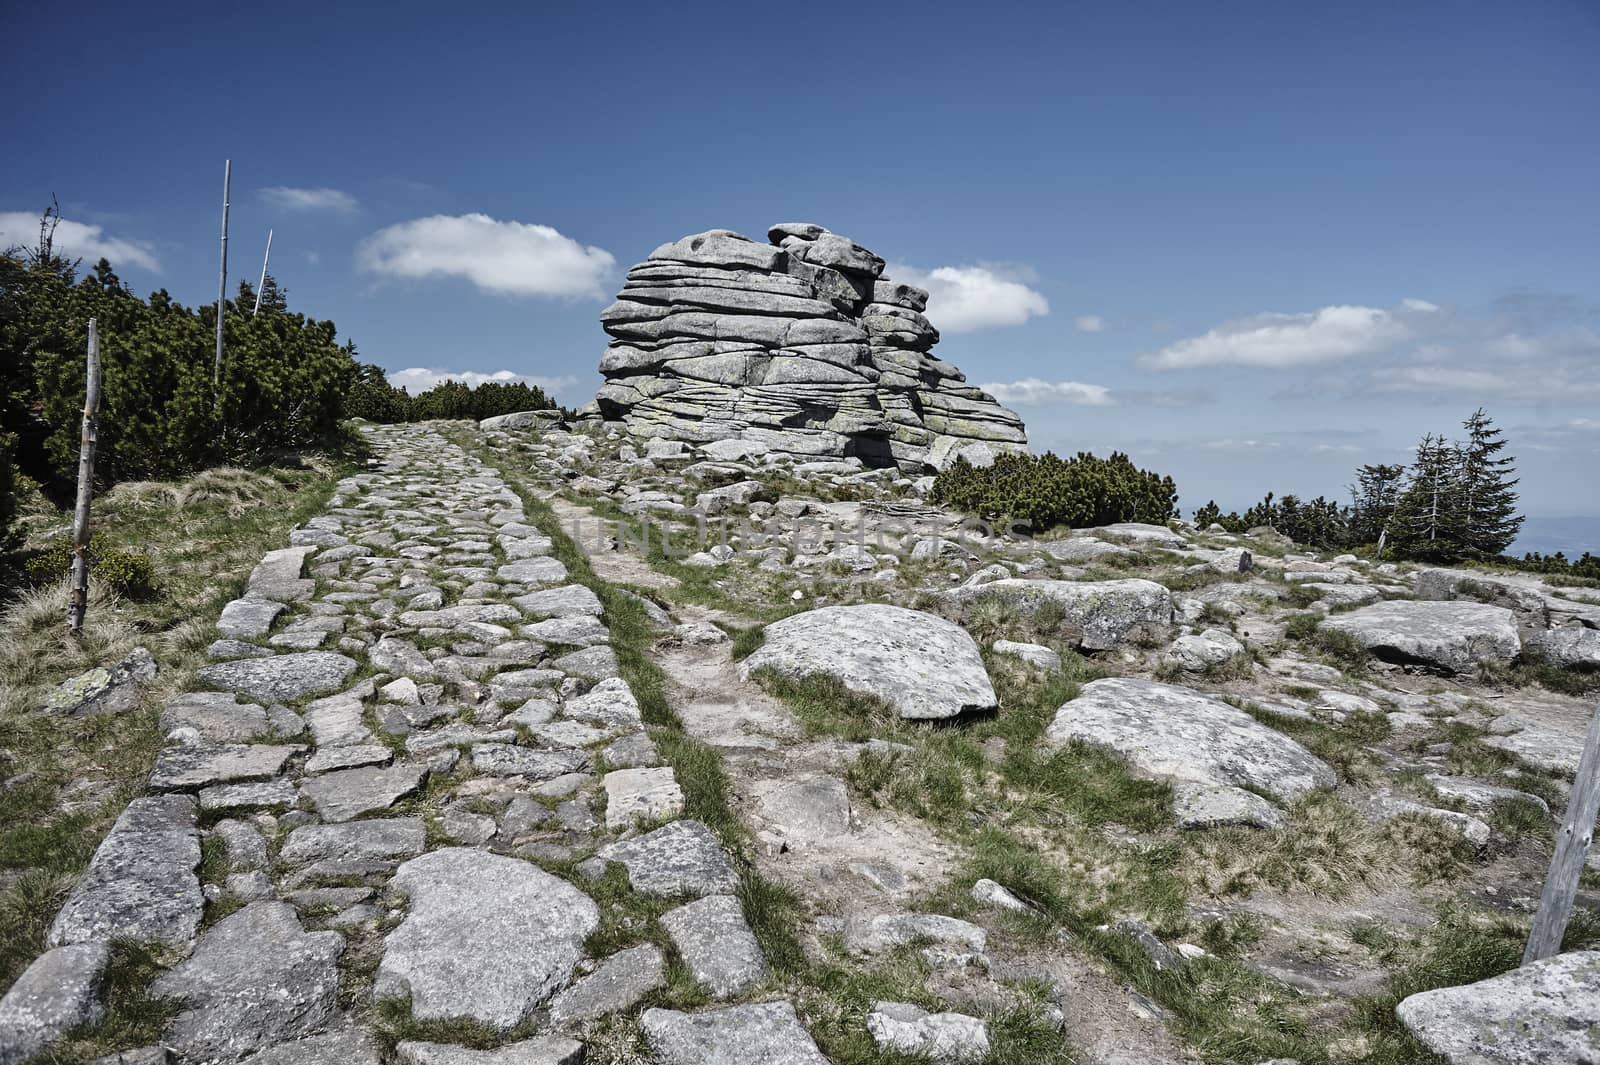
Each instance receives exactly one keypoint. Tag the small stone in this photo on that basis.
(507, 760)
(641, 795)
(682, 858)
(1546, 1011)
(1219, 806)
(281, 678)
(617, 985)
(766, 1033)
(988, 893)
(717, 945)
(58, 992)
(1036, 655)
(887, 931)
(141, 883)
(103, 691)
(540, 1050)
(349, 793)
(953, 1038)
(190, 768)
(395, 837)
(633, 751)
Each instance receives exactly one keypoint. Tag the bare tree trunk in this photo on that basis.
(1572, 845)
(78, 600)
(222, 283)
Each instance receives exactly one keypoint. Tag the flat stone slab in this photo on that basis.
(766, 1033)
(1548, 1011)
(58, 992)
(641, 795)
(338, 720)
(540, 1050)
(870, 935)
(1454, 637)
(717, 945)
(256, 979)
(349, 1046)
(267, 795)
(217, 716)
(923, 666)
(400, 657)
(591, 663)
(537, 570)
(1204, 806)
(382, 838)
(683, 858)
(141, 883)
(1108, 613)
(1175, 733)
(281, 678)
(328, 759)
(243, 619)
(944, 1038)
(610, 703)
(617, 985)
(571, 600)
(346, 794)
(808, 810)
(487, 938)
(190, 768)
(508, 760)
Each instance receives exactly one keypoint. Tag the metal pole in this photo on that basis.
(263, 284)
(1572, 844)
(78, 597)
(222, 283)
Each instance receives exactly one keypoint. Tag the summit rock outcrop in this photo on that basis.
(798, 346)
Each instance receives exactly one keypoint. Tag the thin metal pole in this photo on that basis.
(1572, 844)
(222, 283)
(78, 598)
(263, 284)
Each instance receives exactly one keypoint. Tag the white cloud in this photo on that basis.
(966, 299)
(1285, 340)
(1034, 392)
(415, 379)
(1089, 323)
(78, 240)
(1585, 425)
(511, 258)
(287, 198)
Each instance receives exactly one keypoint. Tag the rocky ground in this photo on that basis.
(480, 773)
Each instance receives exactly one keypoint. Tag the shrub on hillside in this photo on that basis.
(373, 398)
(127, 573)
(8, 489)
(1047, 490)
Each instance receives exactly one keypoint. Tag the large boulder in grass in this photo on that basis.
(1173, 733)
(1107, 614)
(1540, 1014)
(923, 666)
(1451, 637)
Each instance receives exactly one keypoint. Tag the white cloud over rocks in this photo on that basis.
(415, 379)
(288, 198)
(1035, 392)
(78, 240)
(1281, 341)
(967, 299)
(508, 258)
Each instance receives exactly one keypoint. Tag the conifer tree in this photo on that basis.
(1373, 500)
(1426, 521)
(1486, 496)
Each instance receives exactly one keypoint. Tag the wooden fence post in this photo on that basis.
(1572, 845)
(78, 599)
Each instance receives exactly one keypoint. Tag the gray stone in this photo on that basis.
(1572, 645)
(806, 810)
(215, 716)
(870, 935)
(986, 892)
(1540, 1014)
(923, 666)
(1453, 637)
(682, 858)
(346, 794)
(507, 760)
(578, 630)
(256, 979)
(1481, 798)
(244, 844)
(717, 945)
(615, 986)
(247, 618)
(610, 703)
(487, 938)
(190, 768)
(1036, 655)
(1385, 806)
(395, 837)
(1109, 614)
(533, 571)
(591, 663)
(141, 1056)
(524, 419)
(1211, 648)
(401, 657)
(766, 1033)
(141, 883)
(632, 751)
(328, 759)
(349, 1046)
(1175, 733)
(571, 600)
(641, 795)
(1218, 806)
(267, 795)
(282, 678)
(540, 1050)
(101, 690)
(953, 1038)
(58, 992)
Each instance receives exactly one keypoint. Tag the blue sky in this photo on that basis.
(1254, 244)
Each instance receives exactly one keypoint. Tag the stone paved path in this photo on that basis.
(409, 711)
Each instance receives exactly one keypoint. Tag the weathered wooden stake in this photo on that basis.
(222, 282)
(78, 599)
(1572, 846)
(263, 284)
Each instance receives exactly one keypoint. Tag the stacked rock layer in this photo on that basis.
(798, 346)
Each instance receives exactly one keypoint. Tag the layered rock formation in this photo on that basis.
(799, 346)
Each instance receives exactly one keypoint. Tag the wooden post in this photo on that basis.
(1572, 845)
(222, 283)
(263, 284)
(78, 598)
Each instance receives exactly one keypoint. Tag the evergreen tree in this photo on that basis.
(1426, 522)
(1488, 519)
(1374, 496)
